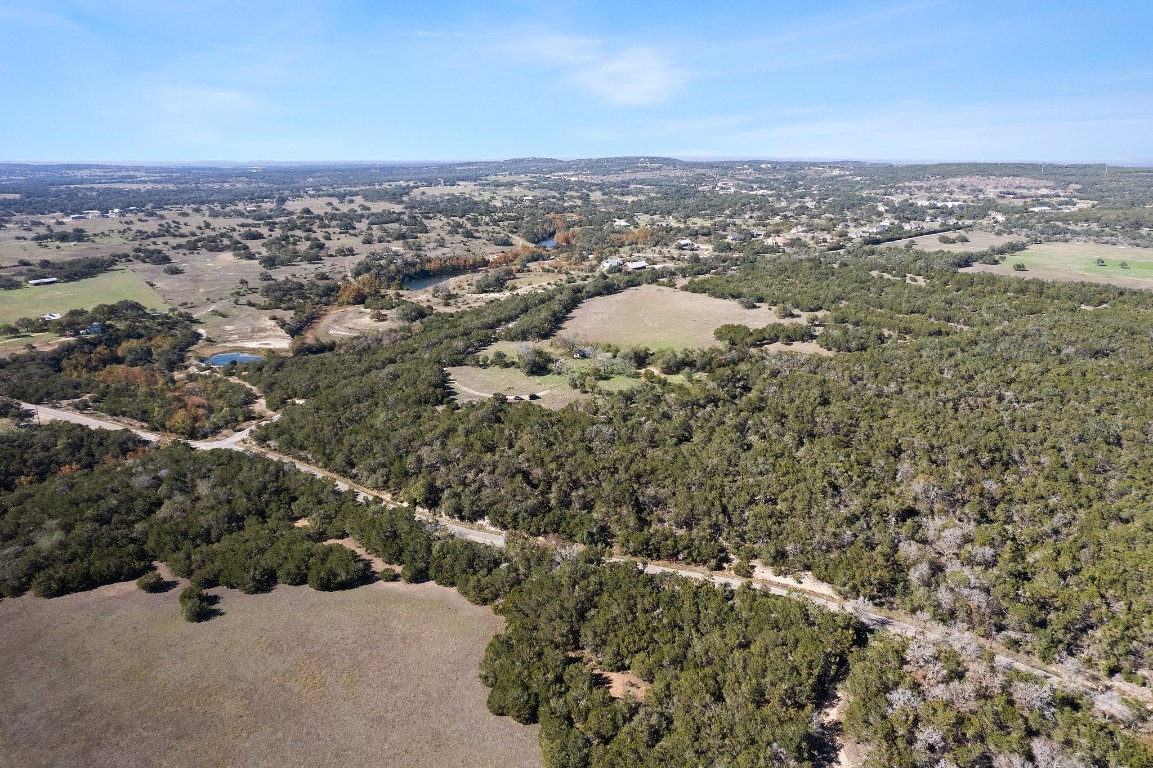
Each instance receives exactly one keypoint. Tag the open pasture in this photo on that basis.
(660, 318)
(381, 675)
(1078, 261)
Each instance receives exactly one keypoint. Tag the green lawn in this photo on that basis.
(106, 288)
(1077, 261)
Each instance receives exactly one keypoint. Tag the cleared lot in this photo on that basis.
(660, 318)
(381, 675)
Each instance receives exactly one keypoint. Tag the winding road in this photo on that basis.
(1105, 693)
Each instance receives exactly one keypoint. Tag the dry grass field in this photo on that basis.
(1077, 261)
(660, 318)
(978, 241)
(381, 675)
(473, 384)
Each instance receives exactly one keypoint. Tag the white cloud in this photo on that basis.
(634, 76)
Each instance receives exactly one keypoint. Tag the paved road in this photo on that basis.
(1104, 693)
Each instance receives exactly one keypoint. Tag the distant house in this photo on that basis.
(736, 237)
(612, 263)
(620, 223)
(44, 281)
(51, 316)
(686, 245)
(635, 265)
(93, 329)
(78, 217)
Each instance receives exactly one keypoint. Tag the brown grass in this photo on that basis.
(381, 675)
(661, 318)
(978, 241)
(472, 384)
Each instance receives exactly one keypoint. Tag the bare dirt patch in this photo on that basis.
(620, 684)
(381, 675)
(377, 564)
(661, 318)
(348, 323)
(230, 325)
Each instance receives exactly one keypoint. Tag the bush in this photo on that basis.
(151, 582)
(336, 567)
(194, 604)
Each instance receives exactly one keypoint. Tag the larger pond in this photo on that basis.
(224, 358)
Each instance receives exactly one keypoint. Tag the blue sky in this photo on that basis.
(345, 80)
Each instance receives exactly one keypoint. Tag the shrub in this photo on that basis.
(336, 567)
(194, 604)
(151, 582)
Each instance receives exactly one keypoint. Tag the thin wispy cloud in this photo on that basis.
(627, 76)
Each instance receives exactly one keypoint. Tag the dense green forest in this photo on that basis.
(977, 455)
(729, 677)
(128, 361)
(83, 508)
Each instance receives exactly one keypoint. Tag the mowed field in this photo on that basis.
(381, 675)
(657, 317)
(1077, 261)
(106, 288)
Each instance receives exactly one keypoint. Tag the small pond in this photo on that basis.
(550, 243)
(224, 358)
(420, 283)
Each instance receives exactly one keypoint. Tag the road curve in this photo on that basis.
(1102, 692)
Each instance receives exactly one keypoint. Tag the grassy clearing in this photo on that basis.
(105, 288)
(1077, 261)
(978, 241)
(381, 675)
(660, 318)
(473, 384)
